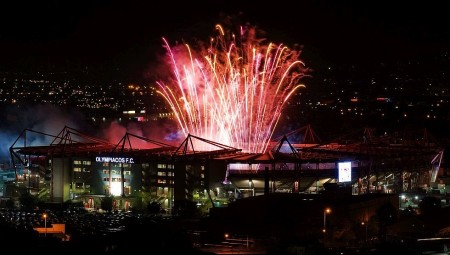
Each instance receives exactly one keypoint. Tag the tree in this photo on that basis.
(27, 201)
(387, 215)
(185, 209)
(107, 203)
(154, 207)
(429, 204)
(10, 204)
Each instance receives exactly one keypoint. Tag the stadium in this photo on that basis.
(135, 170)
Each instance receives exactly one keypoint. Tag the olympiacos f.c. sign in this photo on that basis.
(124, 160)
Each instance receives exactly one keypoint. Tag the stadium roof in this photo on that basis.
(71, 142)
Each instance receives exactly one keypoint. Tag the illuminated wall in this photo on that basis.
(108, 178)
(60, 188)
(81, 176)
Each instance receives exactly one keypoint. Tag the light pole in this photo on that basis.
(365, 224)
(402, 198)
(325, 212)
(45, 223)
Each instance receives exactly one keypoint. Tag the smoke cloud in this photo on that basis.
(44, 118)
(51, 120)
(162, 131)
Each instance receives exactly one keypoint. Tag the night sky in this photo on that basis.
(127, 34)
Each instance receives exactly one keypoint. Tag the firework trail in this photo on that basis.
(233, 90)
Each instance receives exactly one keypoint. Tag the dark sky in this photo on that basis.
(49, 34)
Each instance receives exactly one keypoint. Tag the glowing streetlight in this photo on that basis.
(325, 212)
(365, 224)
(402, 199)
(45, 222)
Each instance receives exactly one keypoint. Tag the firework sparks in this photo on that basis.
(234, 90)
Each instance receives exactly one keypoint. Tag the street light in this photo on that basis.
(402, 198)
(45, 223)
(363, 223)
(325, 212)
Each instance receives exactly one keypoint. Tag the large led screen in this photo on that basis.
(344, 171)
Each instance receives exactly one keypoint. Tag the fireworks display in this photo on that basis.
(233, 90)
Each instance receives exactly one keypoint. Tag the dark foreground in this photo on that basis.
(125, 233)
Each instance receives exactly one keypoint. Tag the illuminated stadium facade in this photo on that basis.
(78, 167)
